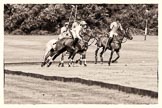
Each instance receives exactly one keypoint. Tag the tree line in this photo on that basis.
(41, 19)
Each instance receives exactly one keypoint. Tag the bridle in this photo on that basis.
(124, 40)
(125, 36)
(91, 36)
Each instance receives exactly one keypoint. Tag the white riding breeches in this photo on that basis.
(112, 34)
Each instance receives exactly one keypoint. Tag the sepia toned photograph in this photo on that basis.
(81, 54)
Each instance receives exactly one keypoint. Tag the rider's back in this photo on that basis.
(114, 26)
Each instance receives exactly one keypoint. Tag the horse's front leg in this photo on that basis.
(118, 55)
(84, 58)
(101, 55)
(96, 52)
(112, 51)
(61, 61)
(71, 58)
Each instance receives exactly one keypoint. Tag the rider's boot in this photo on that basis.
(75, 42)
(109, 42)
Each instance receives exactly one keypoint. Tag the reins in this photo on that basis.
(92, 42)
(125, 40)
(90, 39)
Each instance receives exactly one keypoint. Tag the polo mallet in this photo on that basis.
(71, 12)
(75, 14)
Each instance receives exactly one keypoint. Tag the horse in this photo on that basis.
(115, 45)
(66, 44)
(80, 60)
(86, 35)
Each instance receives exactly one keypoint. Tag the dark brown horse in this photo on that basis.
(86, 37)
(115, 45)
(67, 44)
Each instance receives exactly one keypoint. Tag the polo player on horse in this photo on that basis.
(114, 26)
(64, 31)
(77, 30)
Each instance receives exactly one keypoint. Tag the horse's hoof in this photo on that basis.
(80, 63)
(109, 64)
(49, 64)
(95, 62)
(42, 64)
(76, 61)
(59, 64)
(114, 61)
(85, 64)
(62, 65)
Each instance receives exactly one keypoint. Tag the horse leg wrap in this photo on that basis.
(85, 62)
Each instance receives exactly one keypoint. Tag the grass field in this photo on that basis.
(31, 49)
(137, 66)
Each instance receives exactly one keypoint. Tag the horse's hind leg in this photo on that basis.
(101, 55)
(80, 60)
(54, 57)
(118, 55)
(71, 57)
(109, 62)
(84, 58)
(70, 60)
(96, 52)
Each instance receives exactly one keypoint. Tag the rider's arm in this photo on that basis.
(78, 33)
(63, 30)
(121, 28)
(111, 25)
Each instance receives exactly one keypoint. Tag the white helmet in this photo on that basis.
(83, 23)
(66, 23)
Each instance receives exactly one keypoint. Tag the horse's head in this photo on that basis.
(128, 34)
(87, 35)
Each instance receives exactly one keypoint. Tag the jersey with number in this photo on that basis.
(114, 26)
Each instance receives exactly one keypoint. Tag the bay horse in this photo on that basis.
(86, 37)
(66, 44)
(115, 45)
